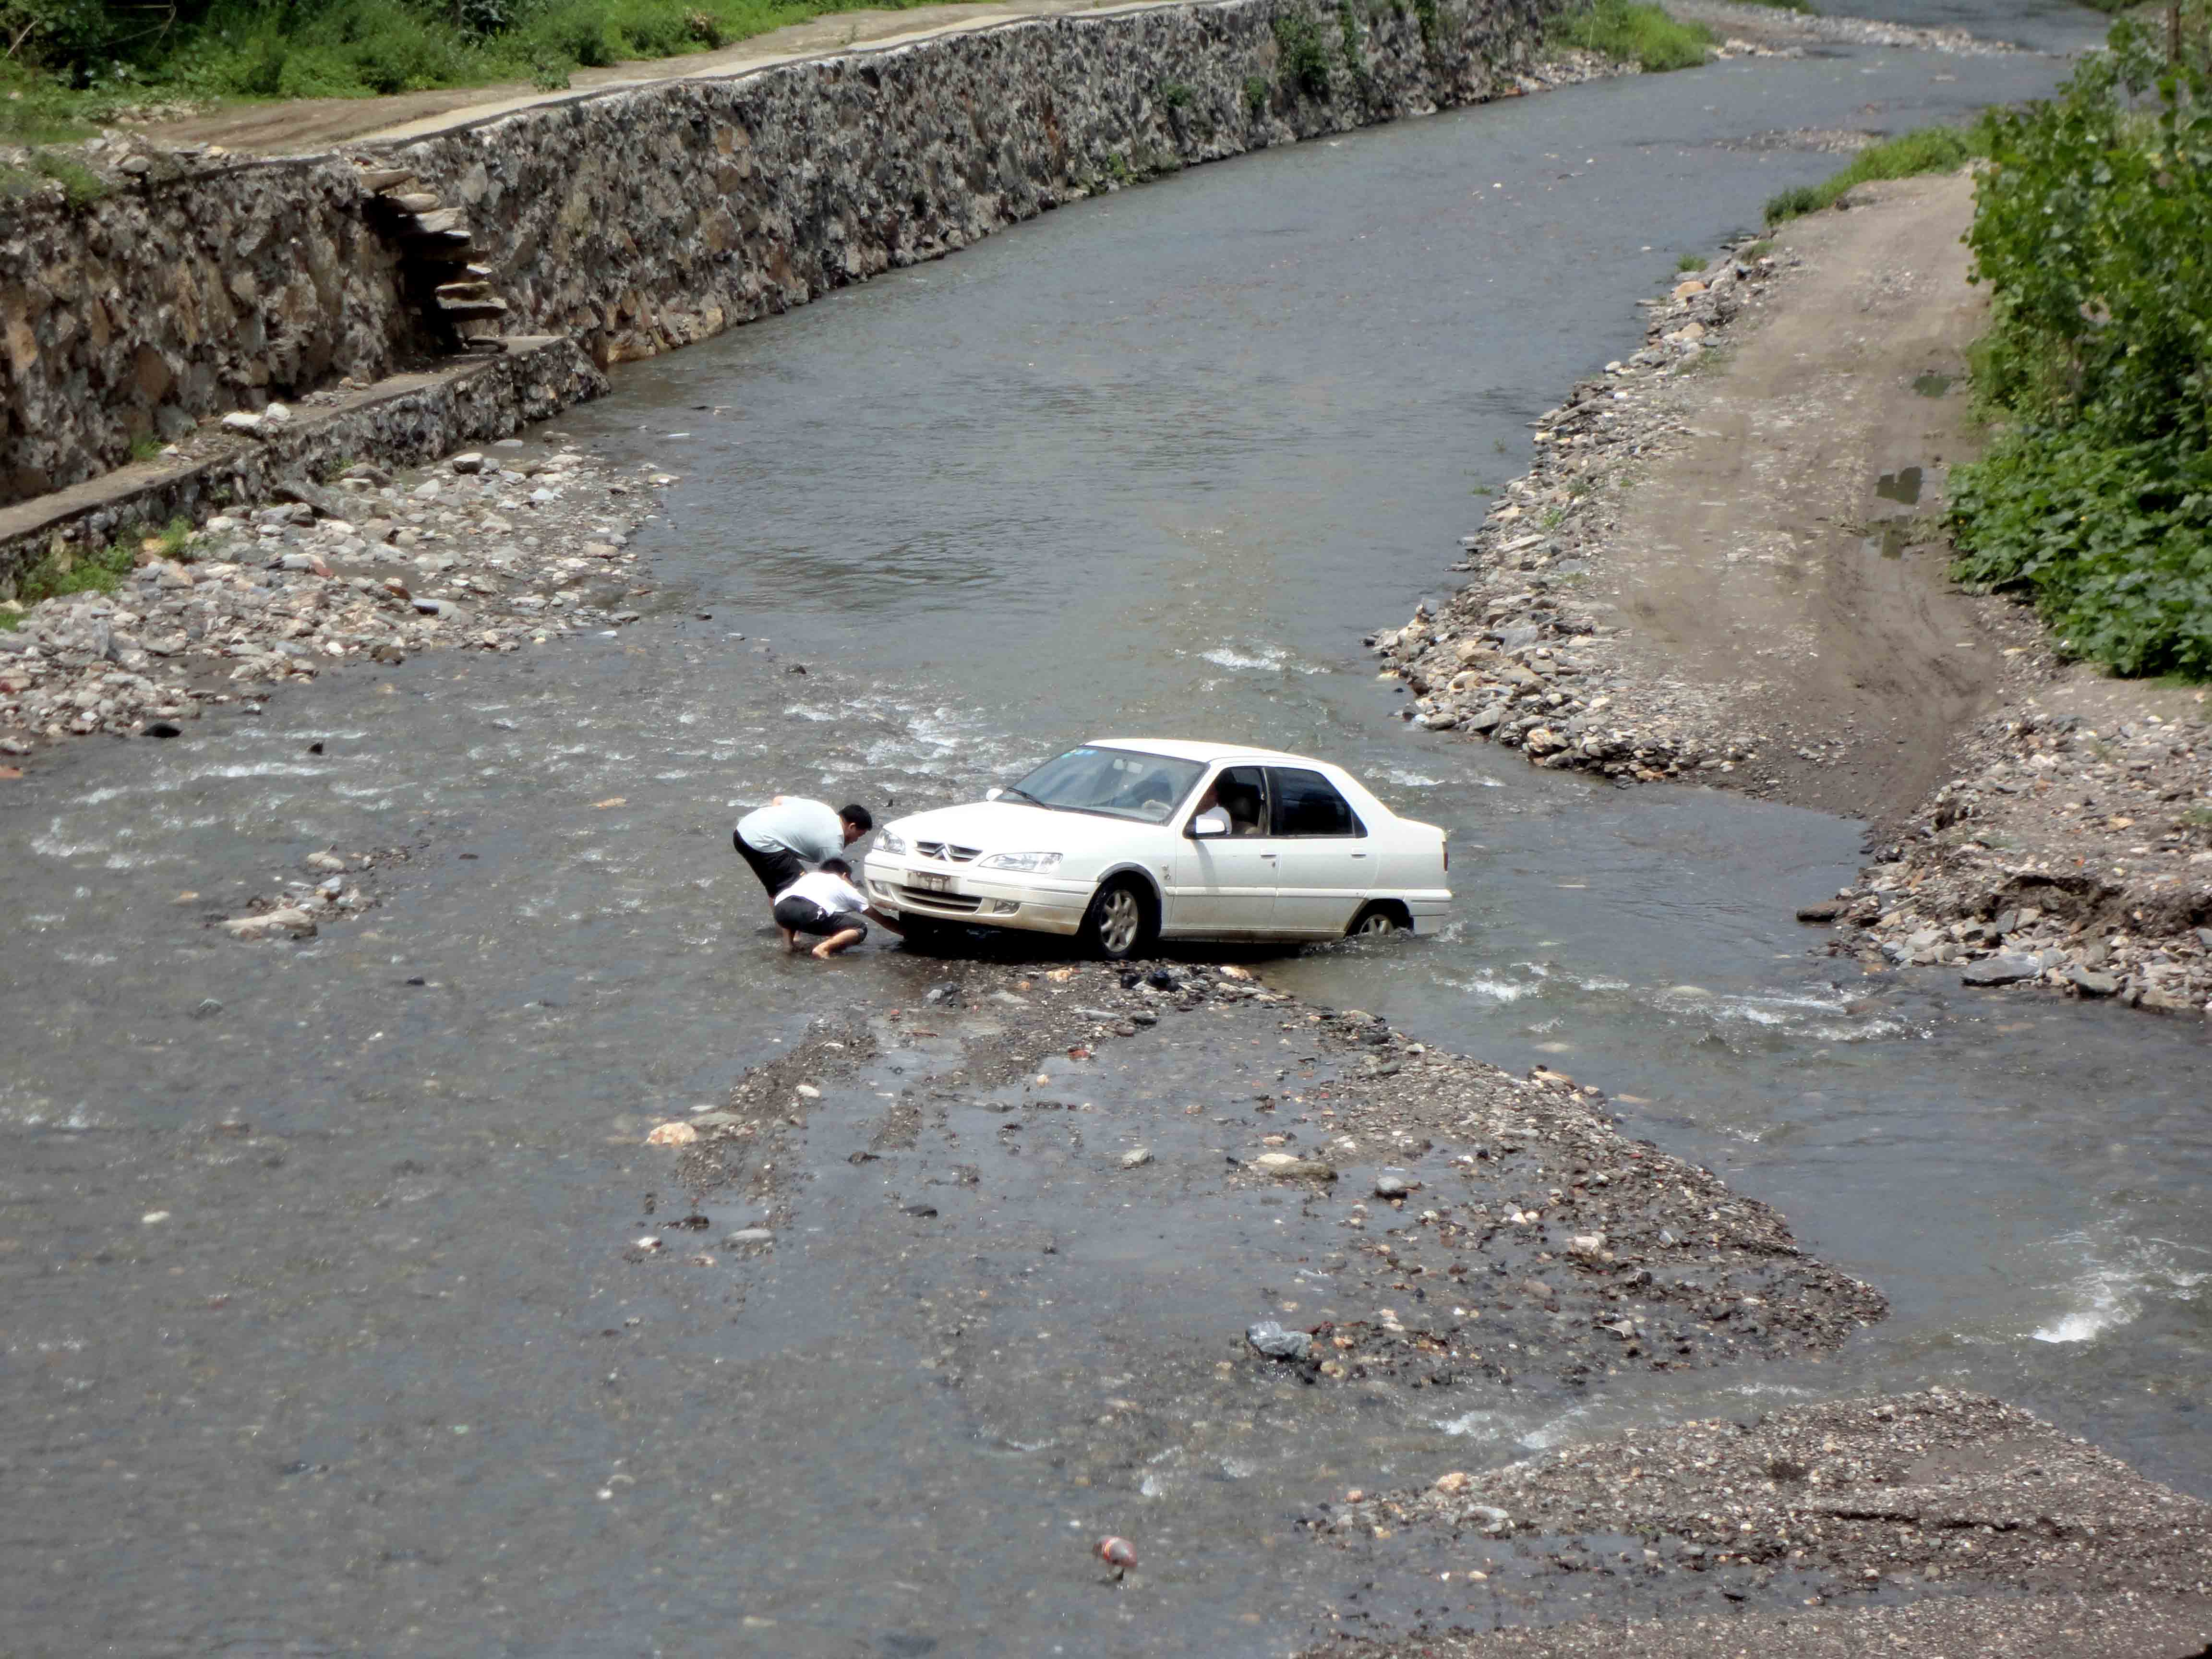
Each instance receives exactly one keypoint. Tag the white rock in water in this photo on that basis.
(239, 420)
(470, 461)
(1277, 1160)
(1587, 1243)
(808, 1092)
(1136, 1156)
(296, 922)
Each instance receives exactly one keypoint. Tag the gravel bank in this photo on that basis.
(2073, 854)
(1868, 1503)
(1491, 1231)
(1519, 656)
(1797, 638)
(516, 545)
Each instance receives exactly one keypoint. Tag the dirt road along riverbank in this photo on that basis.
(1729, 563)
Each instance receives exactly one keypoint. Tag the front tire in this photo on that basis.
(924, 933)
(1119, 923)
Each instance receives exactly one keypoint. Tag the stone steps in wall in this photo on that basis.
(435, 239)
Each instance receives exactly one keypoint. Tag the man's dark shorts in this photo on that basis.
(804, 915)
(776, 869)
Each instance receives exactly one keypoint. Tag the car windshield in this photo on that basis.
(1120, 782)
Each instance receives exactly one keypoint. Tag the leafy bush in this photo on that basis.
(1302, 58)
(2097, 499)
(1925, 149)
(1642, 34)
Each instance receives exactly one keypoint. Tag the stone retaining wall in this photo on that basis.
(641, 220)
(403, 421)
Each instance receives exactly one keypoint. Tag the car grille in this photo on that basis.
(916, 898)
(947, 850)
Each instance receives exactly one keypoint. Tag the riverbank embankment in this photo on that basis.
(1729, 564)
(171, 288)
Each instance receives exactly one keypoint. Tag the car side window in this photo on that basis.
(1240, 794)
(1307, 803)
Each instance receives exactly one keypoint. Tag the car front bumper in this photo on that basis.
(979, 899)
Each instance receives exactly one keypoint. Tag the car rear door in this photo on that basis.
(1226, 884)
(1324, 863)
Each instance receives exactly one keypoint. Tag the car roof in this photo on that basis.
(1208, 753)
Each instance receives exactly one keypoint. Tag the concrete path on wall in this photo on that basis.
(309, 125)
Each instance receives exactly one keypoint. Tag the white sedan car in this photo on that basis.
(1127, 840)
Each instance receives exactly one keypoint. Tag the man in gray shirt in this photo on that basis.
(790, 835)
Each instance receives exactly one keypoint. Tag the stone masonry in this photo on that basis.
(641, 220)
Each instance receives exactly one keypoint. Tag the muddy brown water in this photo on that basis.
(389, 1375)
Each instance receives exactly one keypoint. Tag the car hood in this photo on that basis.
(1005, 826)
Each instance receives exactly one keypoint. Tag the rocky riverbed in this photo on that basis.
(1931, 1522)
(516, 545)
(1517, 656)
(2074, 855)
(1452, 1239)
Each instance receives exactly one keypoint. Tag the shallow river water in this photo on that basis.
(382, 1379)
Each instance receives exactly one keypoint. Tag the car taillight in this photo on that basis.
(1448, 858)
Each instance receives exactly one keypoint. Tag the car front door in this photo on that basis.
(1226, 884)
(1324, 861)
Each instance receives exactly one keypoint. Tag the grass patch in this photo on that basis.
(1926, 149)
(1641, 34)
(80, 184)
(1687, 263)
(65, 572)
(68, 75)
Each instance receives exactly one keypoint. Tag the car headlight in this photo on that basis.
(889, 841)
(1037, 864)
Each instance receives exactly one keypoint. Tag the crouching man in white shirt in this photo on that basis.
(824, 903)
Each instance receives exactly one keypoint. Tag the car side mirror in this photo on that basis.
(1207, 825)
(993, 794)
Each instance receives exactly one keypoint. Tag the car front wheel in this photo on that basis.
(1119, 924)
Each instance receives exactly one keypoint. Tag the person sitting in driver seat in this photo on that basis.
(1241, 801)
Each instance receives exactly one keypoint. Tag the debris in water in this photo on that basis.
(672, 1134)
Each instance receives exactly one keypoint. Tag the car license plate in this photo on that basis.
(930, 884)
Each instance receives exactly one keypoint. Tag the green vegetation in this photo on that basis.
(65, 63)
(1925, 149)
(64, 571)
(2095, 499)
(1255, 96)
(1688, 262)
(1173, 94)
(1642, 34)
(79, 183)
(1302, 58)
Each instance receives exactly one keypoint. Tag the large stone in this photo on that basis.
(1999, 970)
